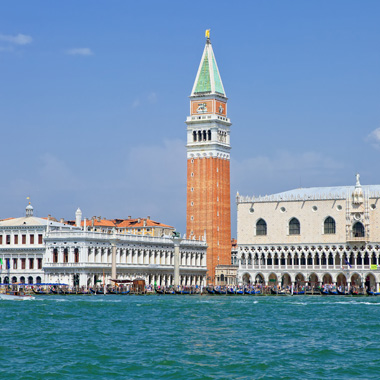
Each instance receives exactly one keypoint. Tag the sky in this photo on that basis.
(94, 98)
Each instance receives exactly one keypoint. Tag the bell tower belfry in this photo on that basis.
(208, 163)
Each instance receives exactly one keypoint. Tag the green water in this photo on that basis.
(190, 337)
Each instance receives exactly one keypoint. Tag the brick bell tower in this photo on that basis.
(208, 163)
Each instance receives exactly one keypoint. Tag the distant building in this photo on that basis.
(78, 253)
(227, 274)
(139, 226)
(22, 247)
(208, 164)
(84, 258)
(316, 235)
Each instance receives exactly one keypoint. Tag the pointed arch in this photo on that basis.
(294, 227)
(261, 227)
(358, 230)
(329, 226)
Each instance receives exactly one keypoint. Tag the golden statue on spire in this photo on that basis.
(207, 34)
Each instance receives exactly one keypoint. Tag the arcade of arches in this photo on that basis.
(340, 265)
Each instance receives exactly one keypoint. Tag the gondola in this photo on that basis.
(299, 293)
(239, 291)
(210, 291)
(371, 293)
(92, 291)
(53, 291)
(277, 292)
(159, 291)
(169, 292)
(341, 293)
(38, 291)
(333, 292)
(182, 292)
(354, 292)
(220, 292)
(230, 291)
(324, 292)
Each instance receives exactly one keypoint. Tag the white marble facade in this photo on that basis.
(317, 235)
(38, 250)
(84, 257)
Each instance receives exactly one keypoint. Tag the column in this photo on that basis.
(177, 242)
(113, 268)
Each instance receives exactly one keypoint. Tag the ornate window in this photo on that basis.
(358, 230)
(294, 227)
(261, 227)
(329, 226)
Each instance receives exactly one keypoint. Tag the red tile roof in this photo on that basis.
(128, 223)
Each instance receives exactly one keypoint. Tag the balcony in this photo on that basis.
(351, 238)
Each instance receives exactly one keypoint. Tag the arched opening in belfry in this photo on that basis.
(199, 135)
(194, 136)
(204, 136)
(209, 135)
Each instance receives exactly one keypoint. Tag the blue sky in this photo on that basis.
(94, 95)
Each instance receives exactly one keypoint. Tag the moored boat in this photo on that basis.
(372, 293)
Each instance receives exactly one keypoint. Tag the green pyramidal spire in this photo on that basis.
(208, 79)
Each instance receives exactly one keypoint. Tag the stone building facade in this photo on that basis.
(83, 258)
(315, 235)
(22, 247)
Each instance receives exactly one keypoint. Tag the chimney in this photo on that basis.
(144, 223)
(148, 217)
(138, 220)
(129, 217)
(61, 220)
(99, 218)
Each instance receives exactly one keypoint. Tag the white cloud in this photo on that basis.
(80, 51)
(284, 170)
(136, 103)
(8, 48)
(19, 39)
(374, 138)
(152, 97)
